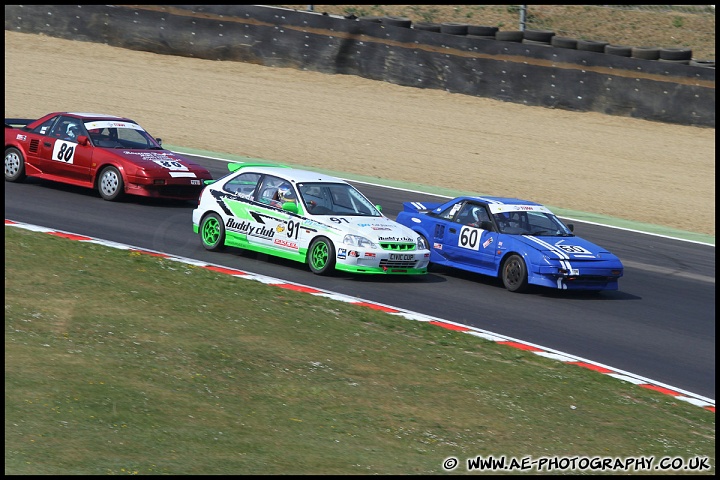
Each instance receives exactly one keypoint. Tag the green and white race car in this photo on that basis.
(308, 217)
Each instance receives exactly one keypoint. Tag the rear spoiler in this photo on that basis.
(236, 165)
(18, 122)
(419, 206)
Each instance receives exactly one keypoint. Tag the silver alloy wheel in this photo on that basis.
(12, 164)
(109, 182)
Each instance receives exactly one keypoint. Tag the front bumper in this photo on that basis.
(382, 262)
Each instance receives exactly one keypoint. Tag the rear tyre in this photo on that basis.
(14, 165)
(110, 184)
(514, 274)
(321, 256)
(212, 232)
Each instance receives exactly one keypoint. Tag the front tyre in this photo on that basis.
(14, 165)
(110, 184)
(212, 232)
(321, 256)
(514, 274)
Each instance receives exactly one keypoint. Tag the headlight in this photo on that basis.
(422, 244)
(358, 241)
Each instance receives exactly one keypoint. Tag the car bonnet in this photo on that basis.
(565, 247)
(379, 229)
(160, 159)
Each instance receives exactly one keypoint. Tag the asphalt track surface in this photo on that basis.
(659, 325)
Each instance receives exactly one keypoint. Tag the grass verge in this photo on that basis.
(123, 363)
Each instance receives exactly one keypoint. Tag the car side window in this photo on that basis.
(44, 128)
(465, 215)
(244, 184)
(450, 212)
(268, 189)
(67, 128)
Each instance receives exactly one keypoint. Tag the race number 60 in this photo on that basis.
(469, 238)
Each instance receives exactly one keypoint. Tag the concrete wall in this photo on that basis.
(515, 72)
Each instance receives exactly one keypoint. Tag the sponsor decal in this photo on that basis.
(437, 246)
(285, 243)
(112, 124)
(395, 239)
(374, 226)
(249, 229)
(402, 256)
(487, 242)
(20, 137)
(342, 253)
(163, 159)
(500, 208)
(280, 228)
(370, 254)
(353, 253)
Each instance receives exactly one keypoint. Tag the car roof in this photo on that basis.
(96, 116)
(295, 174)
(501, 200)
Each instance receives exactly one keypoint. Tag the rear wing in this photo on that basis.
(233, 166)
(18, 122)
(416, 207)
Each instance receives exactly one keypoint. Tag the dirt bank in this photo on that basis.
(627, 168)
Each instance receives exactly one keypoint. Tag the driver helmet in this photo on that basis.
(285, 193)
(72, 130)
(476, 214)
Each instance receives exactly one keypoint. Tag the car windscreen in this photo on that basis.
(530, 223)
(108, 134)
(335, 199)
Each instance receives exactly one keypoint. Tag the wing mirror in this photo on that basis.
(571, 227)
(83, 140)
(290, 207)
(487, 225)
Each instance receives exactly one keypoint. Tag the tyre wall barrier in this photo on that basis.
(526, 73)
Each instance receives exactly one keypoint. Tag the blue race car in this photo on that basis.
(521, 242)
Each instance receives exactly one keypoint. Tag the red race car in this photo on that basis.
(111, 154)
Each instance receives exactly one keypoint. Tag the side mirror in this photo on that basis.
(486, 225)
(379, 208)
(83, 140)
(290, 207)
(159, 140)
(571, 227)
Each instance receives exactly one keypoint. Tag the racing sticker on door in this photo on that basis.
(64, 151)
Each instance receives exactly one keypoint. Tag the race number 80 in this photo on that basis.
(64, 151)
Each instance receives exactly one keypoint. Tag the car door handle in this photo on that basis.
(47, 144)
(452, 230)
